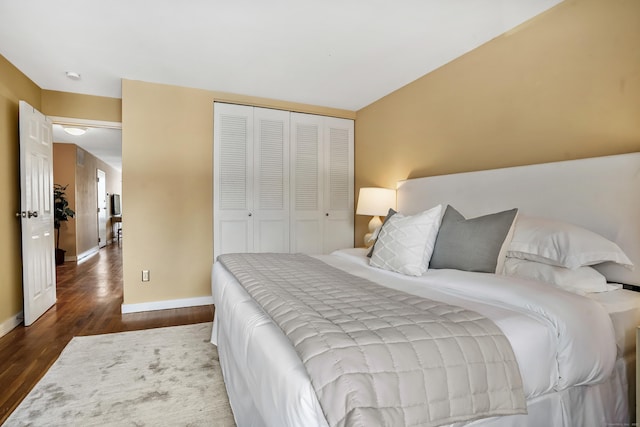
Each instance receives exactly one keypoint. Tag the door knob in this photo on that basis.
(20, 214)
(32, 214)
(249, 213)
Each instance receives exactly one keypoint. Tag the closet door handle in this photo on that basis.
(327, 214)
(250, 214)
(32, 214)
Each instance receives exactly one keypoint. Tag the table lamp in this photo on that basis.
(375, 201)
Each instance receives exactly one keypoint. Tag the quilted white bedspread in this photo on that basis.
(378, 356)
(559, 339)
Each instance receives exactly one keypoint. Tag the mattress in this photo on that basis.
(268, 385)
(623, 307)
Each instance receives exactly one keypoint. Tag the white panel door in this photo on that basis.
(338, 184)
(101, 180)
(36, 200)
(271, 180)
(233, 179)
(307, 215)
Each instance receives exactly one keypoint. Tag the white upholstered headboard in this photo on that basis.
(601, 194)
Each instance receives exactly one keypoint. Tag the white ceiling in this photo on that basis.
(104, 143)
(334, 53)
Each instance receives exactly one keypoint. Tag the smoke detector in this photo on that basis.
(73, 75)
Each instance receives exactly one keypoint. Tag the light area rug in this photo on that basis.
(156, 377)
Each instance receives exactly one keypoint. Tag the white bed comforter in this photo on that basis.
(559, 339)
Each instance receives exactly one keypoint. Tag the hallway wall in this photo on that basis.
(77, 168)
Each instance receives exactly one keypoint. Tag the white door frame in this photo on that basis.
(71, 121)
(84, 122)
(102, 215)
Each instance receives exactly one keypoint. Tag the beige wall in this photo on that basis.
(565, 85)
(77, 106)
(14, 86)
(64, 173)
(86, 202)
(167, 150)
(87, 198)
(167, 188)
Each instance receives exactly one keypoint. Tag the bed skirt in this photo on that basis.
(588, 406)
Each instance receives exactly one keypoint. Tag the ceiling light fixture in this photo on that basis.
(73, 75)
(75, 131)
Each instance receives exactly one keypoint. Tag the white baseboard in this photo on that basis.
(88, 253)
(168, 304)
(83, 256)
(10, 323)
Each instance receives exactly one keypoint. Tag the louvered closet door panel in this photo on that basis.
(306, 184)
(271, 180)
(338, 183)
(233, 179)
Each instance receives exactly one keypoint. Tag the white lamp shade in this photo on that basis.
(375, 201)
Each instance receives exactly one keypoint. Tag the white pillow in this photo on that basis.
(405, 243)
(562, 244)
(580, 281)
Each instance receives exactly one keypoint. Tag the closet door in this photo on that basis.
(338, 184)
(271, 180)
(307, 216)
(283, 182)
(233, 179)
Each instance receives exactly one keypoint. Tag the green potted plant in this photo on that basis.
(62, 212)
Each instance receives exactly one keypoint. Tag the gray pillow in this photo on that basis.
(389, 215)
(471, 244)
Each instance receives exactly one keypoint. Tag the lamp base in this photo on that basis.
(369, 238)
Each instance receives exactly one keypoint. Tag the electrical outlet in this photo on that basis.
(145, 275)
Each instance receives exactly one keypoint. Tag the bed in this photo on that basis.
(575, 349)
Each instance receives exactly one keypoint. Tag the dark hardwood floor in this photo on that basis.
(89, 299)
